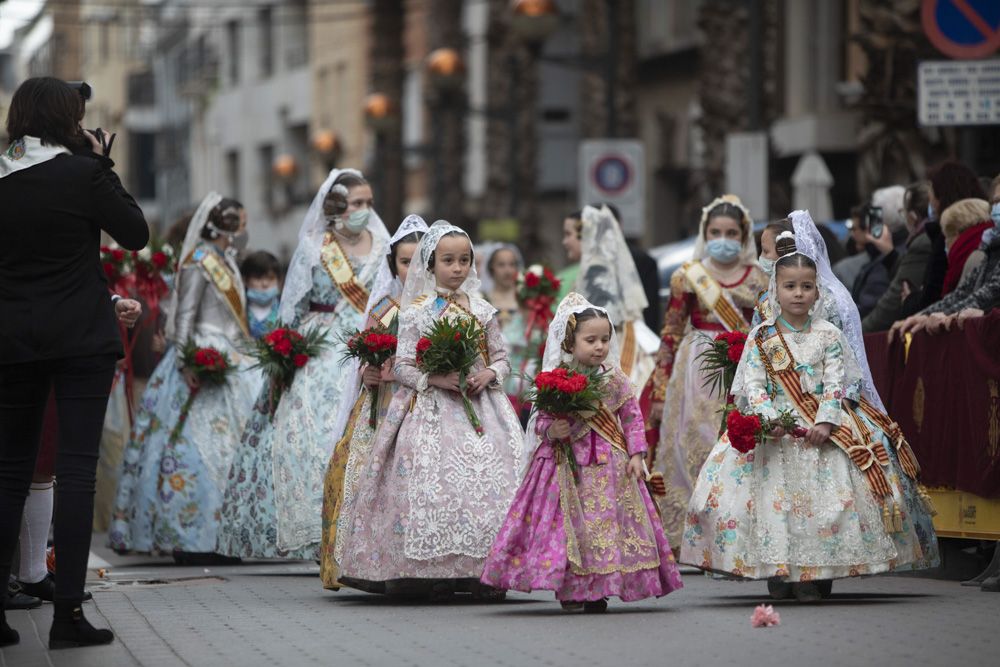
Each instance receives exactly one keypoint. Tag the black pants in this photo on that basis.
(81, 387)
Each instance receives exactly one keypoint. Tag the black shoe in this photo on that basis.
(16, 599)
(8, 635)
(46, 589)
(779, 589)
(204, 559)
(70, 629)
(595, 606)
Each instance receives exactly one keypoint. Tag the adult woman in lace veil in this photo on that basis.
(274, 496)
(715, 292)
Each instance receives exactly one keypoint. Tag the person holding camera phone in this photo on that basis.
(57, 325)
(882, 230)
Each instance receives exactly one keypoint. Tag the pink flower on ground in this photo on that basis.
(764, 616)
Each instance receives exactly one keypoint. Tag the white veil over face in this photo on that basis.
(420, 279)
(191, 239)
(485, 252)
(748, 252)
(810, 242)
(608, 276)
(298, 280)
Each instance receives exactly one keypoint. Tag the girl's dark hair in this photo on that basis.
(953, 181)
(778, 226)
(335, 202)
(430, 260)
(726, 210)
(47, 108)
(785, 247)
(576, 320)
(260, 264)
(215, 216)
(412, 237)
(578, 216)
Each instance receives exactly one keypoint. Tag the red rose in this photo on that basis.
(735, 352)
(159, 259)
(283, 347)
(458, 335)
(531, 280)
(118, 255)
(109, 270)
(105, 249)
(423, 344)
(300, 360)
(547, 272)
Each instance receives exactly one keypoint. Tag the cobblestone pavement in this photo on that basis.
(277, 614)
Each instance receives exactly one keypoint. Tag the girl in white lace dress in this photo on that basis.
(840, 501)
(434, 493)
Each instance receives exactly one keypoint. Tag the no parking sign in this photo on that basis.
(613, 171)
(962, 29)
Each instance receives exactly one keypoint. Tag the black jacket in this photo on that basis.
(54, 300)
(649, 274)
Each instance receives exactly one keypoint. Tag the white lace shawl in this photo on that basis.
(608, 277)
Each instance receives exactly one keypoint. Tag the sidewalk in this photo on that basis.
(277, 614)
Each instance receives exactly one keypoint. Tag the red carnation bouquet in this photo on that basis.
(210, 366)
(151, 265)
(563, 392)
(373, 346)
(452, 346)
(718, 364)
(746, 431)
(283, 352)
(117, 264)
(537, 292)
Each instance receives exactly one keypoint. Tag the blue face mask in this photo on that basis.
(766, 264)
(723, 250)
(995, 214)
(262, 297)
(931, 215)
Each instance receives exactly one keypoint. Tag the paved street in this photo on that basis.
(276, 614)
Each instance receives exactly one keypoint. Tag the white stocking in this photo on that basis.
(35, 524)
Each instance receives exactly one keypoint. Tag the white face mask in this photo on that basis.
(723, 250)
(358, 220)
(766, 264)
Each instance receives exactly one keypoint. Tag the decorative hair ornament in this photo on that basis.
(727, 199)
(785, 245)
(340, 189)
(567, 342)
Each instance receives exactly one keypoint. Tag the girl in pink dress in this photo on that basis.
(599, 535)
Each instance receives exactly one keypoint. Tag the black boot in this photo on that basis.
(70, 629)
(8, 635)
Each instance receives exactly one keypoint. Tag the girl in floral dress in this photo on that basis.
(434, 492)
(171, 485)
(598, 536)
(274, 495)
(840, 501)
(715, 292)
(352, 451)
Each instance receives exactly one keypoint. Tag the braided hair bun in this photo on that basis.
(785, 244)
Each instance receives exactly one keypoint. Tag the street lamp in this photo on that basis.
(534, 20)
(446, 68)
(327, 145)
(381, 114)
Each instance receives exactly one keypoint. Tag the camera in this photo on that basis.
(83, 88)
(872, 221)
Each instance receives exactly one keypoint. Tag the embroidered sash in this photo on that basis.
(385, 311)
(628, 347)
(867, 452)
(713, 297)
(221, 277)
(342, 273)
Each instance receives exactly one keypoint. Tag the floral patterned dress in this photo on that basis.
(691, 412)
(170, 488)
(274, 495)
(589, 539)
(789, 509)
(433, 493)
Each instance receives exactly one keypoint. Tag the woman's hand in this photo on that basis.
(190, 379)
(634, 469)
(479, 381)
(447, 382)
(387, 374)
(128, 311)
(883, 243)
(558, 430)
(967, 314)
(911, 324)
(935, 323)
(371, 376)
(819, 434)
(95, 141)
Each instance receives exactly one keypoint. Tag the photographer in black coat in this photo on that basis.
(57, 325)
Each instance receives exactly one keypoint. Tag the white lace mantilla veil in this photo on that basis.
(810, 242)
(748, 251)
(852, 370)
(486, 251)
(385, 285)
(573, 304)
(298, 280)
(420, 280)
(191, 239)
(608, 276)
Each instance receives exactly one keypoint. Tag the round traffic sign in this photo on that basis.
(612, 175)
(964, 29)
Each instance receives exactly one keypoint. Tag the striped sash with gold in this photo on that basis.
(712, 296)
(342, 273)
(222, 279)
(385, 311)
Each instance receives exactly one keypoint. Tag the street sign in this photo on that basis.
(613, 171)
(953, 92)
(962, 29)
